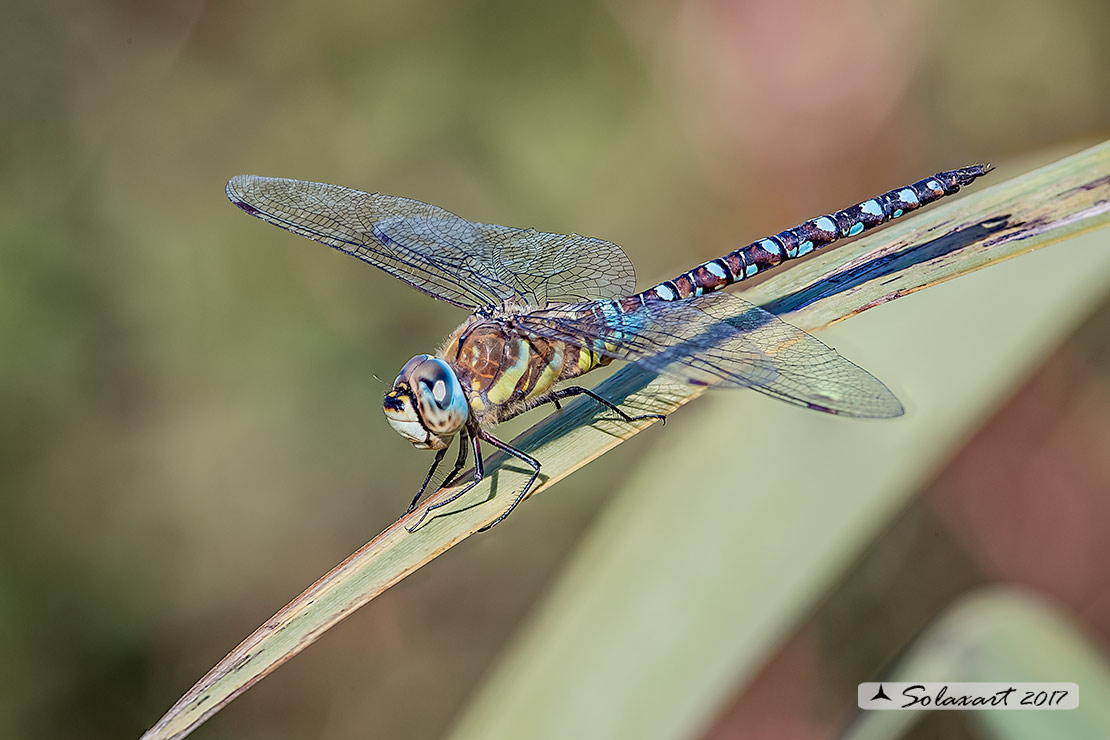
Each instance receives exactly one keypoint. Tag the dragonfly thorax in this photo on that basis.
(427, 404)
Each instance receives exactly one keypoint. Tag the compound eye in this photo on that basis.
(443, 405)
(409, 367)
(439, 392)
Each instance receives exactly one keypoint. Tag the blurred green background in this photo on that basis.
(189, 400)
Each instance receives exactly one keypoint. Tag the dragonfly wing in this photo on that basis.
(531, 267)
(346, 219)
(722, 341)
(465, 263)
(560, 268)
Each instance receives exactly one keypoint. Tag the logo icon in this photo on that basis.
(880, 694)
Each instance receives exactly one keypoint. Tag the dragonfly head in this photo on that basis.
(427, 404)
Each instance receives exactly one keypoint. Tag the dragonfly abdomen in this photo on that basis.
(811, 235)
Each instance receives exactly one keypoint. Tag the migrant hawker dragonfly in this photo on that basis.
(547, 308)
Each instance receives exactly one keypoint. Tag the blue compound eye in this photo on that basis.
(408, 368)
(443, 405)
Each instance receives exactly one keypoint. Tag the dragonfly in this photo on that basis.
(548, 308)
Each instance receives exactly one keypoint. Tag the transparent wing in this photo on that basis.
(468, 264)
(723, 341)
(529, 265)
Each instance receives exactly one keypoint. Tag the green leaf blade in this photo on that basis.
(1069, 196)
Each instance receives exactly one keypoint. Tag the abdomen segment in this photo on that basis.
(812, 235)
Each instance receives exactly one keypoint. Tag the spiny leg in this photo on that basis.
(459, 461)
(577, 390)
(478, 473)
(533, 462)
(427, 478)
(440, 454)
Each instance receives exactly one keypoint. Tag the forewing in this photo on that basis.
(532, 267)
(344, 219)
(722, 341)
(468, 264)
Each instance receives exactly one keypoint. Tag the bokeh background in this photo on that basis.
(189, 399)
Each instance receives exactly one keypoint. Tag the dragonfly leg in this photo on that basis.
(577, 390)
(532, 462)
(459, 462)
(427, 478)
(478, 473)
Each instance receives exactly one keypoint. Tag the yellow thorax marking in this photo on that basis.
(586, 360)
(549, 374)
(500, 391)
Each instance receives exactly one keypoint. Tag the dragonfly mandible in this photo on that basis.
(548, 308)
